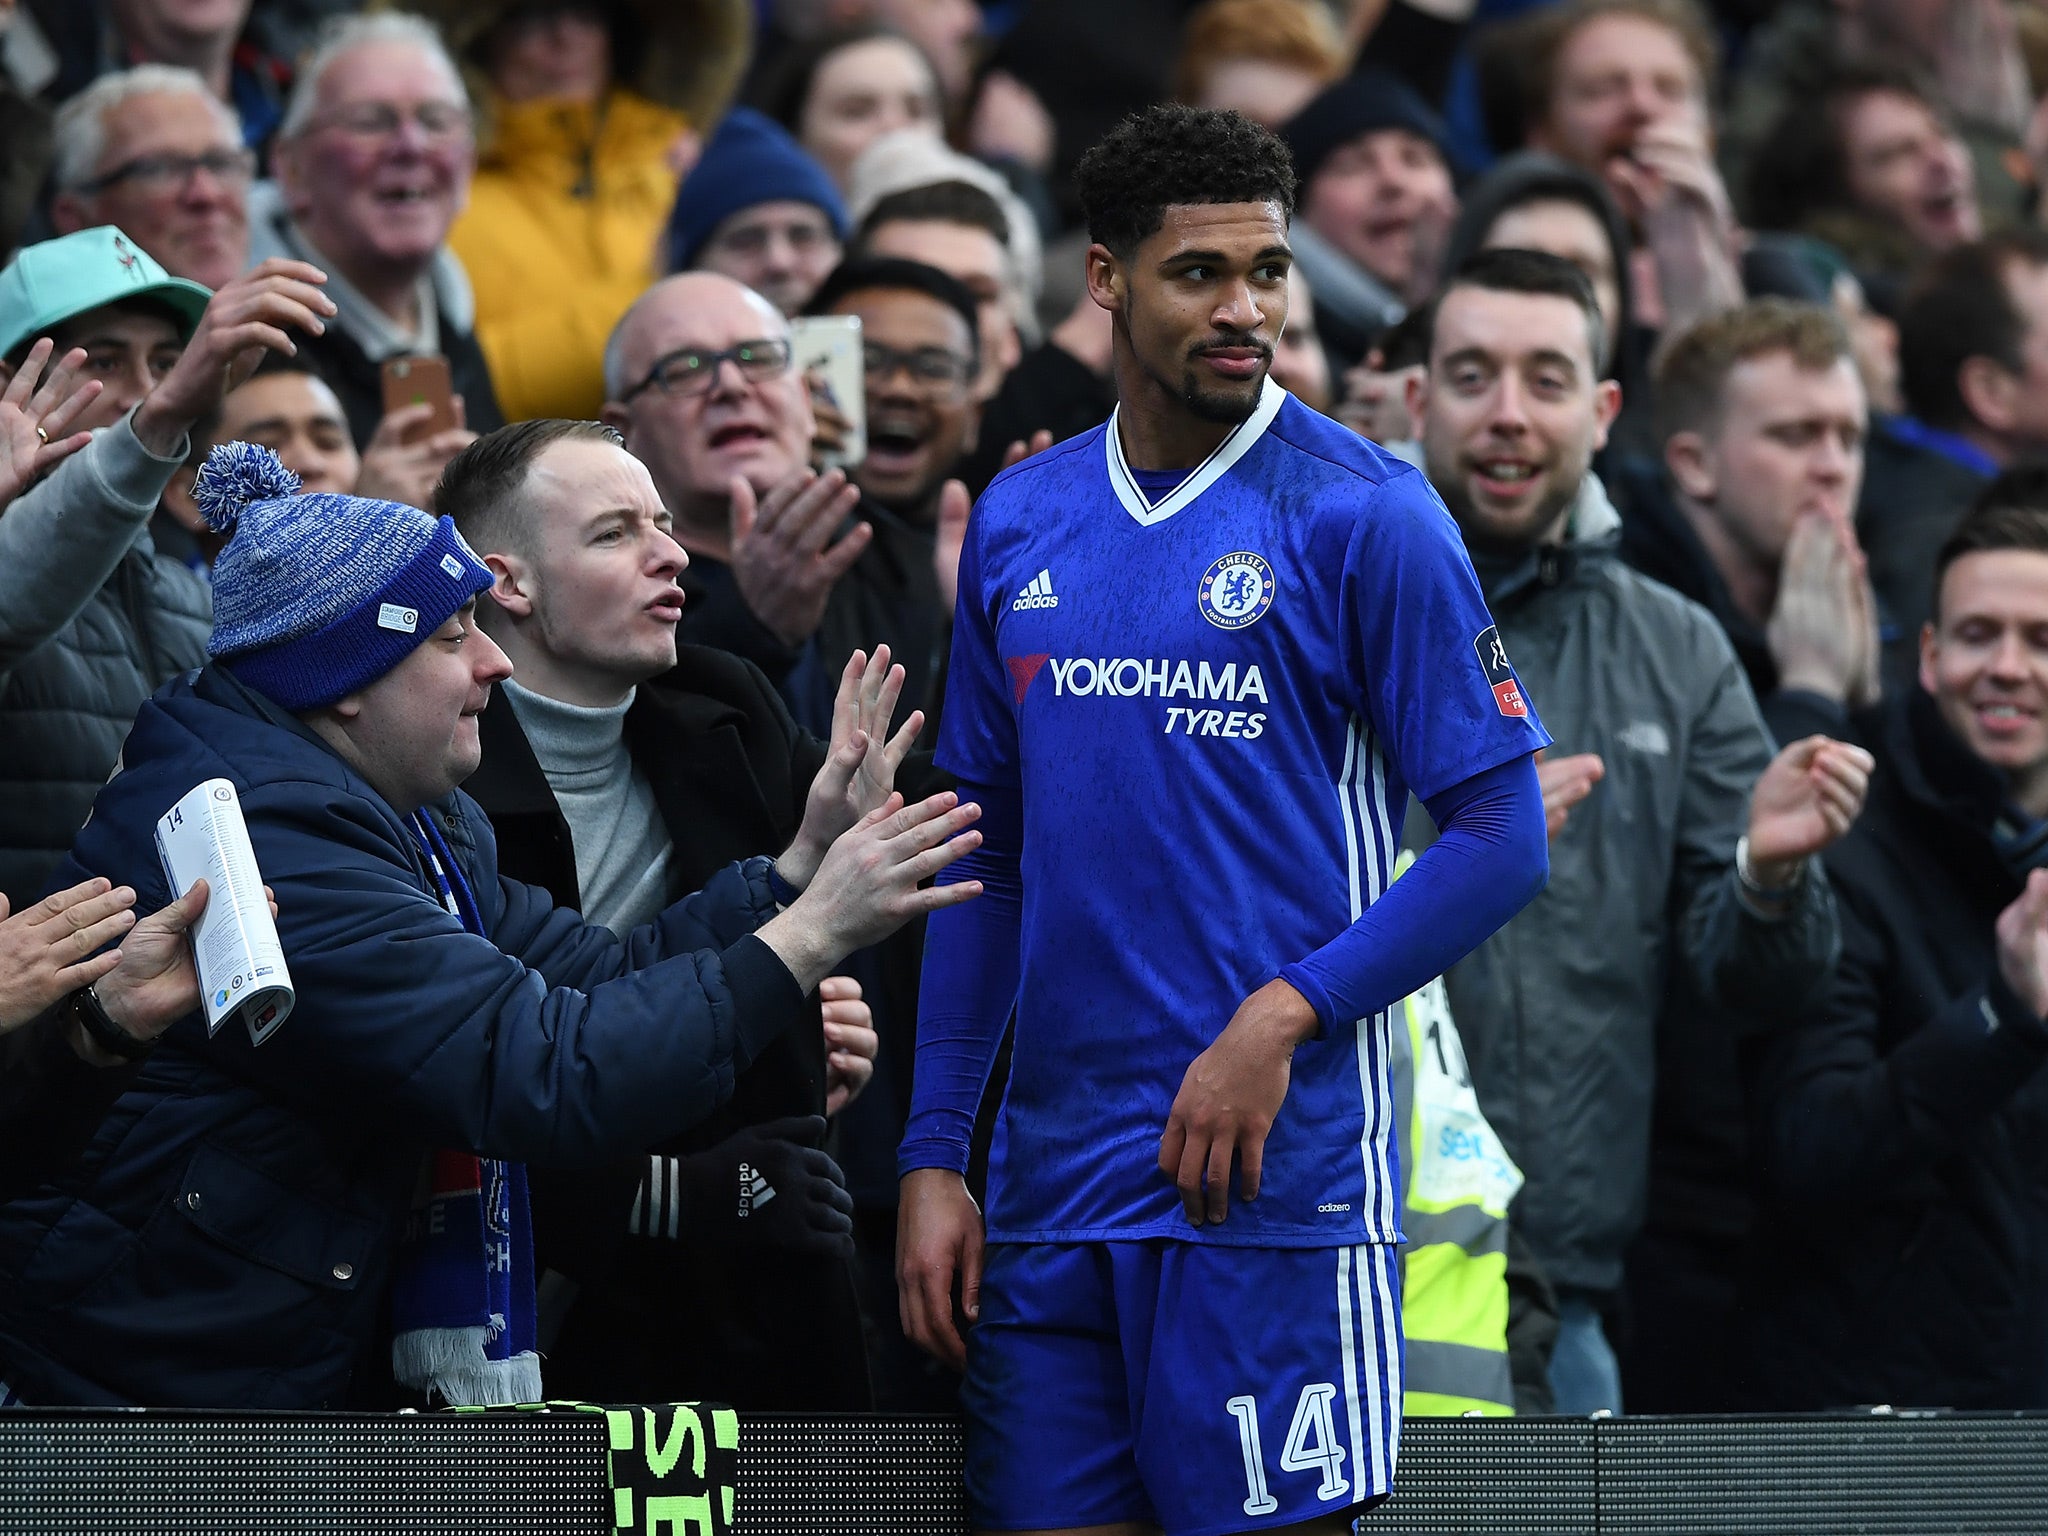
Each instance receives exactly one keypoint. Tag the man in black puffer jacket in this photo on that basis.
(1903, 1134)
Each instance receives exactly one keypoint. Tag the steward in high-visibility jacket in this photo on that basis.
(1456, 1184)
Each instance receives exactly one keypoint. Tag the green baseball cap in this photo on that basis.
(50, 282)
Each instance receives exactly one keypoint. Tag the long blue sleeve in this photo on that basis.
(971, 971)
(1490, 857)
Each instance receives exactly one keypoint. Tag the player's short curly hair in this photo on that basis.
(1172, 155)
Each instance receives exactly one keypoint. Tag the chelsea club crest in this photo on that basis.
(1236, 591)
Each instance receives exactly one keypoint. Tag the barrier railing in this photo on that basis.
(666, 1471)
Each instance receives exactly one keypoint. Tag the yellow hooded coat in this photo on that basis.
(561, 234)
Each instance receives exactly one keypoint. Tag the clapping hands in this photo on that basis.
(860, 769)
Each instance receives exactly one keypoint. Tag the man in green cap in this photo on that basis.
(91, 620)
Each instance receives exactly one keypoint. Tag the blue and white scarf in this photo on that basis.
(462, 1297)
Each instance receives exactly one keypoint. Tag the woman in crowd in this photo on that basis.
(841, 92)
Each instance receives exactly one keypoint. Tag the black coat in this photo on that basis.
(1698, 1133)
(1682, 1271)
(889, 596)
(1902, 1130)
(51, 1101)
(656, 1320)
(716, 616)
(1050, 390)
(1912, 499)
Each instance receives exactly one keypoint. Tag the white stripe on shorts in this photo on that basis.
(1368, 1333)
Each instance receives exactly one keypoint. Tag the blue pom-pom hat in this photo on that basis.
(316, 597)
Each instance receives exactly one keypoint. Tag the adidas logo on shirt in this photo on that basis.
(755, 1190)
(1038, 595)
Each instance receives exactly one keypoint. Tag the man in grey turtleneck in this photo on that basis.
(622, 849)
(614, 769)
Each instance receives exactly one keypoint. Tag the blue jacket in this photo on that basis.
(226, 1238)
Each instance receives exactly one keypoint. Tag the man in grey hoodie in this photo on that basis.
(92, 621)
(1692, 862)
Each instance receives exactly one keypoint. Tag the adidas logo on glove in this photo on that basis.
(755, 1191)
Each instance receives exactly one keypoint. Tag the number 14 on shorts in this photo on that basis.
(1311, 1446)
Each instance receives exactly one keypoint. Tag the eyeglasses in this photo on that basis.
(691, 370)
(441, 121)
(173, 173)
(933, 367)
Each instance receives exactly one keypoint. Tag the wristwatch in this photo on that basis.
(84, 1009)
(784, 893)
(1754, 888)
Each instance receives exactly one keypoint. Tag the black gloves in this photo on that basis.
(765, 1187)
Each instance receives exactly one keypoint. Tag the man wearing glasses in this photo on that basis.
(700, 383)
(795, 570)
(922, 345)
(373, 163)
(921, 336)
(152, 151)
(697, 378)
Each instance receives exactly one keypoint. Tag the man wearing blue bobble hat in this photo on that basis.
(245, 1212)
(759, 209)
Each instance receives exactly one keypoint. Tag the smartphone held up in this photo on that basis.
(826, 350)
(410, 381)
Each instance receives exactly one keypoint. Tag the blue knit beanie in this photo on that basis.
(317, 596)
(751, 159)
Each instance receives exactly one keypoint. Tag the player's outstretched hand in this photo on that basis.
(872, 882)
(1229, 1100)
(938, 1237)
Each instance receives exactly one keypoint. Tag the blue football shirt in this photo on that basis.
(1214, 707)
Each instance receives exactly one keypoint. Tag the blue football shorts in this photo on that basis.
(1202, 1388)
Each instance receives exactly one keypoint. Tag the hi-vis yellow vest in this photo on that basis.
(1457, 1182)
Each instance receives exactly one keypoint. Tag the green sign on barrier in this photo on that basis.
(672, 1467)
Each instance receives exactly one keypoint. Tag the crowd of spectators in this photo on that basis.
(1720, 330)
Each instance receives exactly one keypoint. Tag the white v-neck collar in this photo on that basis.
(1205, 474)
